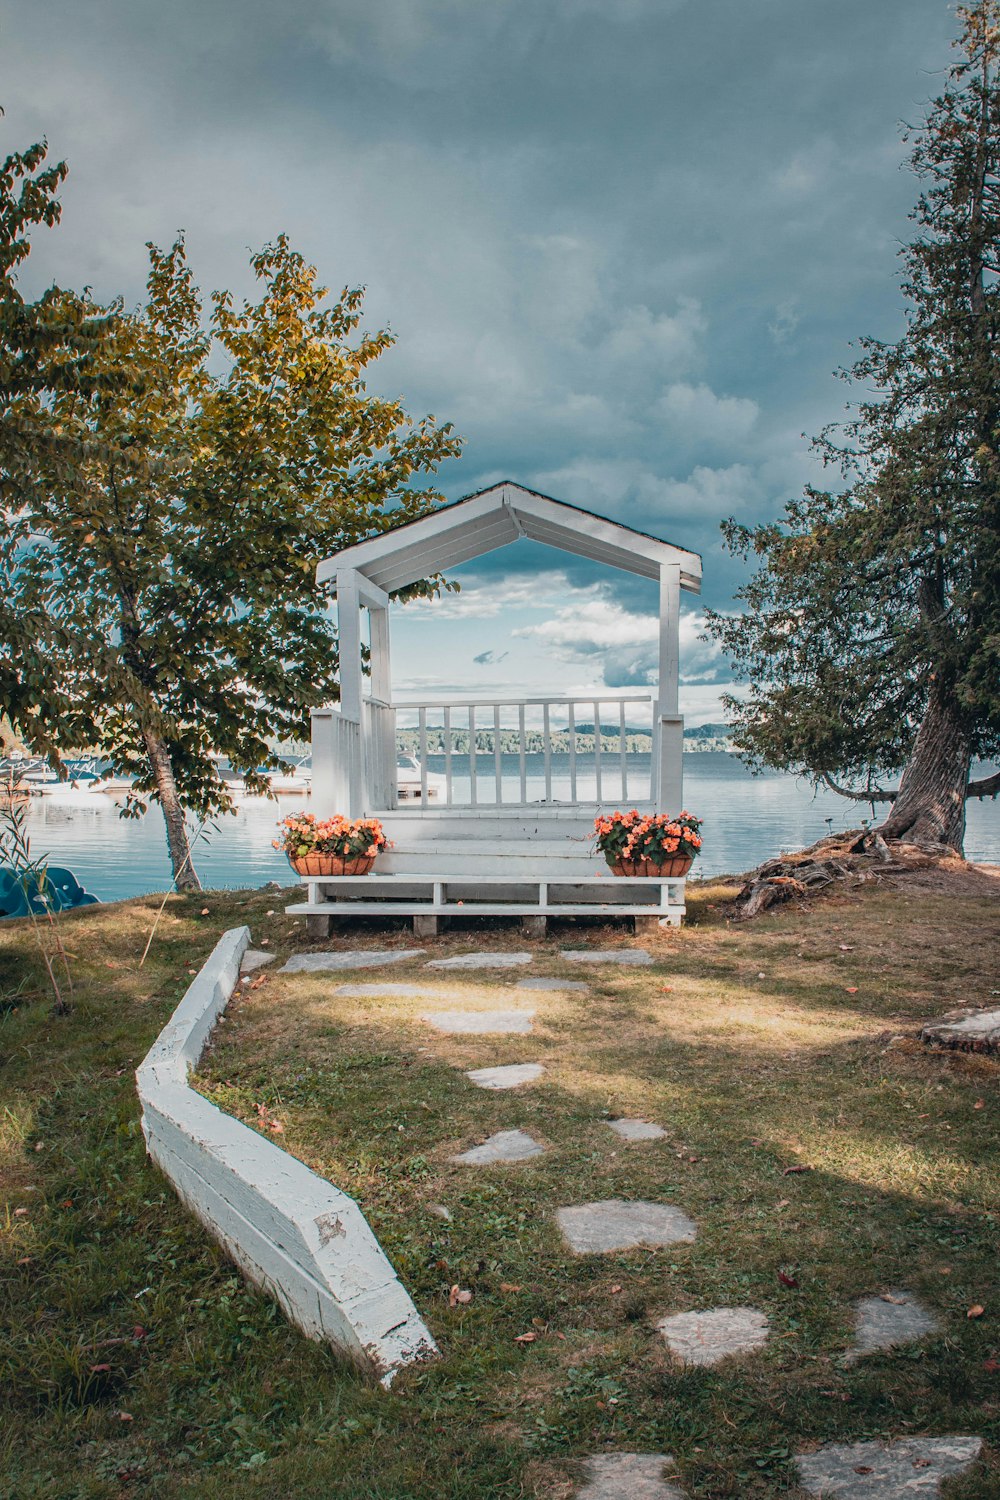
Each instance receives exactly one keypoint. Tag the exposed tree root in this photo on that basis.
(848, 860)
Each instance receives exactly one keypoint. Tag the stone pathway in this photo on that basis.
(628, 1476)
(614, 1224)
(389, 991)
(705, 1338)
(606, 955)
(911, 1469)
(897, 1317)
(314, 963)
(509, 1076)
(637, 1130)
(552, 984)
(479, 1022)
(505, 1145)
(255, 958)
(481, 960)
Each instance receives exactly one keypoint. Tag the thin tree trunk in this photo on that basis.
(185, 876)
(929, 807)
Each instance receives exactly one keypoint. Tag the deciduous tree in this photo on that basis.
(175, 565)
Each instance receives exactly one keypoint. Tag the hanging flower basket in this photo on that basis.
(332, 846)
(674, 867)
(331, 864)
(652, 844)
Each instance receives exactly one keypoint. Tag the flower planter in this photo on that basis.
(332, 864)
(672, 868)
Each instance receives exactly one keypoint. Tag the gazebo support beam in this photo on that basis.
(670, 725)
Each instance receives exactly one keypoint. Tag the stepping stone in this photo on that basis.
(882, 1322)
(388, 991)
(596, 1228)
(911, 1469)
(637, 1130)
(481, 961)
(255, 958)
(510, 1076)
(312, 963)
(703, 1338)
(506, 1145)
(479, 1022)
(628, 1476)
(969, 1030)
(607, 955)
(552, 984)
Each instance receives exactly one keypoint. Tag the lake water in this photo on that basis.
(747, 819)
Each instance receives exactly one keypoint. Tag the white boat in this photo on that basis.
(296, 778)
(409, 786)
(42, 781)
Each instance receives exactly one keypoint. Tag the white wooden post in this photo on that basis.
(380, 661)
(669, 792)
(349, 634)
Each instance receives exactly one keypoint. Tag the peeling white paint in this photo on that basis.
(293, 1234)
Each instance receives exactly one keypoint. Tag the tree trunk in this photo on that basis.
(929, 807)
(185, 875)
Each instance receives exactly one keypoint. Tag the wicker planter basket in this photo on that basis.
(670, 868)
(332, 864)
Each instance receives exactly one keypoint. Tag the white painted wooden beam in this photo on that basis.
(349, 637)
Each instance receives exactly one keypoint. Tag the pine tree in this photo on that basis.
(871, 635)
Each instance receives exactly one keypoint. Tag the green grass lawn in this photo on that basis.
(134, 1360)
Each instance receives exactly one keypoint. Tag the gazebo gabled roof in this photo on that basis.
(493, 518)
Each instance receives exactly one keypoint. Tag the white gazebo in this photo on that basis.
(509, 835)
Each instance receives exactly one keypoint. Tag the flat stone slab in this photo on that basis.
(705, 1338)
(479, 1022)
(637, 1130)
(314, 963)
(481, 961)
(596, 1228)
(606, 955)
(509, 1076)
(628, 1476)
(255, 958)
(552, 984)
(896, 1317)
(506, 1145)
(389, 991)
(969, 1030)
(911, 1469)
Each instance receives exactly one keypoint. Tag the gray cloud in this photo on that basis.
(622, 246)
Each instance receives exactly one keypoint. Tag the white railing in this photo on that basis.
(561, 750)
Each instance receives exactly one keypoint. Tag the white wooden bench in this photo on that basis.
(428, 898)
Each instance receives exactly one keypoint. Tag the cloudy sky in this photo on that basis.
(623, 245)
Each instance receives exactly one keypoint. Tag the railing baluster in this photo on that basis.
(521, 765)
(572, 752)
(621, 749)
(472, 753)
(423, 757)
(597, 751)
(497, 766)
(547, 744)
(447, 757)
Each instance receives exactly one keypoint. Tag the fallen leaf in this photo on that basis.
(791, 1171)
(991, 1365)
(922, 1463)
(539, 1323)
(99, 1369)
(782, 1203)
(204, 911)
(979, 1104)
(25, 1260)
(276, 1126)
(852, 989)
(19, 1213)
(458, 1296)
(896, 1301)
(787, 1280)
(509, 1286)
(125, 1416)
(615, 1289)
(845, 947)
(944, 1270)
(976, 1310)
(863, 1469)
(525, 1338)
(265, 942)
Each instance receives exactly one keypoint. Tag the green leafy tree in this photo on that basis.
(46, 346)
(227, 450)
(871, 633)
